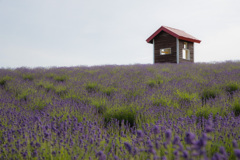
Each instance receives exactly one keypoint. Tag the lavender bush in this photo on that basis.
(161, 111)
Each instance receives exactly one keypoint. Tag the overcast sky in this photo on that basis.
(49, 33)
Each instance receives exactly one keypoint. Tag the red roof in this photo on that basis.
(175, 33)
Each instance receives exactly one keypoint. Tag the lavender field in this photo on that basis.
(161, 111)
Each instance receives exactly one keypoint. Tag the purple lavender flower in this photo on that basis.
(200, 143)
(156, 129)
(115, 157)
(157, 145)
(168, 135)
(164, 158)
(54, 153)
(235, 144)
(156, 157)
(237, 153)
(34, 153)
(189, 139)
(139, 134)
(216, 156)
(151, 150)
(24, 154)
(176, 154)
(209, 126)
(176, 140)
(128, 147)
(101, 155)
(185, 154)
(135, 151)
(223, 152)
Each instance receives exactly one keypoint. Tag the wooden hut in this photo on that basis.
(172, 45)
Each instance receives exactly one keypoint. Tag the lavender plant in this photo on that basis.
(161, 111)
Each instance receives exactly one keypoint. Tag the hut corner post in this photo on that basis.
(177, 50)
(153, 53)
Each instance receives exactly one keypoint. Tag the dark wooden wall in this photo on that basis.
(190, 46)
(165, 40)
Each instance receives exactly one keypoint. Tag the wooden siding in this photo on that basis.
(165, 40)
(190, 46)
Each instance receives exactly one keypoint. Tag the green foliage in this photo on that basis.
(151, 83)
(29, 77)
(232, 87)
(60, 90)
(186, 97)
(207, 110)
(46, 85)
(161, 101)
(102, 76)
(236, 107)
(100, 105)
(50, 75)
(126, 113)
(4, 80)
(159, 80)
(166, 70)
(92, 87)
(39, 104)
(61, 78)
(209, 94)
(91, 71)
(155, 82)
(131, 94)
(22, 94)
(40, 84)
(78, 98)
(150, 69)
(109, 90)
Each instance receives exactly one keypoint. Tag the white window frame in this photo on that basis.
(163, 53)
(185, 45)
(189, 55)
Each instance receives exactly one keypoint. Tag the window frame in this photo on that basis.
(185, 45)
(189, 55)
(165, 54)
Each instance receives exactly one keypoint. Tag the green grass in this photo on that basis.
(108, 90)
(209, 93)
(151, 83)
(29, 77)
(61, 78)
(232, 87)
(124, 113)
(3, 80)
(46, 85)
(236, 107)
(207, 110)
(22, 95)
(60, 90)
(92, 87)
(186, 97)
(100, 104)
(39, 104)
(160, 101)
(155, 82)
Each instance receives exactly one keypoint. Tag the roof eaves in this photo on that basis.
(189, 39)
(163, 28)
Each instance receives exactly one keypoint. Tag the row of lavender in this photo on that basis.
(165, 111)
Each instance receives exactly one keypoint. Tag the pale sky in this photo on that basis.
(45, 33)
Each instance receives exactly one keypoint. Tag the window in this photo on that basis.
(185, 45)
(165, 51)
(186, 54)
